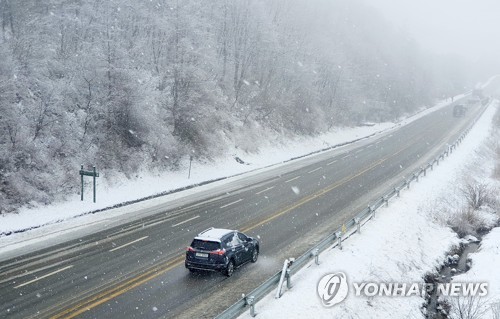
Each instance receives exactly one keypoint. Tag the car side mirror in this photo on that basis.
(249, 239)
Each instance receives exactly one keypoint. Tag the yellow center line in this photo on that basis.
(119, 290)
(161, 269)
(319, 193)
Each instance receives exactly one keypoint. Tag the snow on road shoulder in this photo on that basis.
(403, 243)
(57, 217)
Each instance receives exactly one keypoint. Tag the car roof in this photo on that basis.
(214, 234)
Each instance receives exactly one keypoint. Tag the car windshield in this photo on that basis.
(205, 245)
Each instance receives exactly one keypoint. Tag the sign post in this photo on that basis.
(81, 175)
(92, 173)
(94, 176)
(190, 161)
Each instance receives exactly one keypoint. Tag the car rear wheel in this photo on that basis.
(229, 269)
(255, 255)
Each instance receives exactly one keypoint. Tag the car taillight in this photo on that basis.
(219, 252)
(189, 248)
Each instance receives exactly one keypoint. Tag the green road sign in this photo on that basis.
(92, 173)
(89, 173)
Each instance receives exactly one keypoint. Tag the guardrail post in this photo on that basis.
(250, 300)
(315, 254)
(386, 201)
(358, 225)
(339, 239)
(288, 278)
(371, 211)
(408, 182)
(397, 190)
(437, 161)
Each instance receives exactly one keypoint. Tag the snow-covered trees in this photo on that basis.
(128, 85)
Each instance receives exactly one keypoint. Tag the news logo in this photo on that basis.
(333, 289)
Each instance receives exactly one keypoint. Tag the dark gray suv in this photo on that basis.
(221, 250)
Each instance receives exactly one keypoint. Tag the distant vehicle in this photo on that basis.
(473, 101)
(459, 110)
(478, 93)
(485, 100)
(221, 250)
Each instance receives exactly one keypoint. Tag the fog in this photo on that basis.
(462, 28)
(147, 85)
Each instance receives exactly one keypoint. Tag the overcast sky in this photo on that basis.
(470, 28)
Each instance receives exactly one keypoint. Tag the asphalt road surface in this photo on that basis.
(136, 270)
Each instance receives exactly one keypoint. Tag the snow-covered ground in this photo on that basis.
(404, 242)
(63, 218)
(399, 244)
(485, 265)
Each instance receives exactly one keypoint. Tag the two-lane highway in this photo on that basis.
(136, 270)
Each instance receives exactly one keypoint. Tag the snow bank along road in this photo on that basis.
(136, 270)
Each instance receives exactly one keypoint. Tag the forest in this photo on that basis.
(135, 85)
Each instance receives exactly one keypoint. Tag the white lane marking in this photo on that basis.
(187, 220)
(156, 223)
(359, 151)
(335, 161)
(378, 142)
(288, 181)
(314, 170)
(265, 190)
(128, 244)
(44, 276)
(236, 201)
(346, 156)
(369, 146)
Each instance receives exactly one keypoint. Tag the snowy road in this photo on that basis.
(136, 270)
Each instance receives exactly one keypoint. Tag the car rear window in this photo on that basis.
(205, 245)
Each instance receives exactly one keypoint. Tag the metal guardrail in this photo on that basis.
(335, 239)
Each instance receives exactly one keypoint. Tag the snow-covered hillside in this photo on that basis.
(74, 214)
